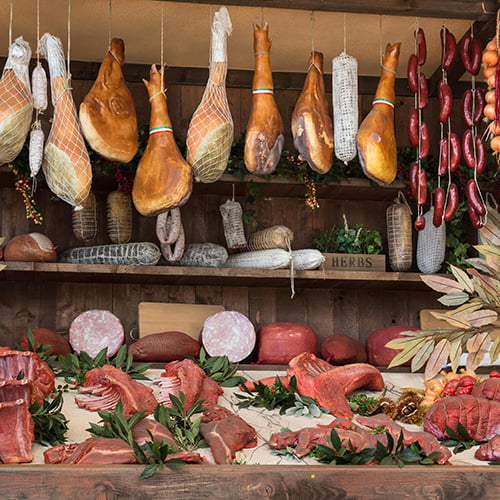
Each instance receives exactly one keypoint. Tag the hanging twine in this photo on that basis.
(69, 39)
(345, 33)
(110, 23)
(162, 66)
(11, 15)
(313, 63)
(37, 32)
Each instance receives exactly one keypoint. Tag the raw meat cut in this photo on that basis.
(111, 384)
(312, 126)
(163, 179)
(59, 345)
(187, 377)
(210, 132)
(66, 162)
(165, 346)
(94, 330)
(16, 105)
(225, 432)
(329, 386)
(16, 432)
(141, 430)
(12, 363)
(11, 390)
(107, 114)
(265, 134)
(228, 333)
(479, 416)
(102, 451)
(489, 389)
(376, 139)
(490, 450)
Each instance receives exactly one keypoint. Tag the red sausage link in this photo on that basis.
(481, 154)
(421, 46)
(414, 180)
(423, 94)
(449, 48)
(420, 223)
(445, 101)
(467, 108)
(452, 204)
(443, 157)
(413, 127)
(467, 148)
(437, 219)
(422, 188)
(456, 152)
(474, 217)
(424, 141)
(473, 197)
(476, 57)
(412, 74)
(480, 99)
(464, 52)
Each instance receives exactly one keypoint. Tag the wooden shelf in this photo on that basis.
(35, 271)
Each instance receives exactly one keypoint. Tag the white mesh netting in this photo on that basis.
(431, 245)
(345, 105)
(16, 104)
(66, 162)
(399, 231)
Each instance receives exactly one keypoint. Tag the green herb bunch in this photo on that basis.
(362, 404)
(73, 367)
(41, 350)
(353, 240)
(220, 369)
(50, 423)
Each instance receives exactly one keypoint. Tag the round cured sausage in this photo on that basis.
(94, 330)
(228, 333)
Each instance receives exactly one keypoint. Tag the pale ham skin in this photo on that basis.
(312, 126)
(107, 114)
(265, 132)
(66, 162)
(164, 179)
(376, 139)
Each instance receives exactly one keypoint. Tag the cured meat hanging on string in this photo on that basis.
(265, 132)
(16, 104)
(210, 132)
(107, 113)
(376, 139)
(66, 162)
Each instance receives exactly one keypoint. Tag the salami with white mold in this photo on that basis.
(228, 333)
(94, 330)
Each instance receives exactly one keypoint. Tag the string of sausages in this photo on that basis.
(473, 145)
(418, 133)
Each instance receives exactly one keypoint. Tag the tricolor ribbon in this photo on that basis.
(263, 91)
(387, 102)
(159, 130)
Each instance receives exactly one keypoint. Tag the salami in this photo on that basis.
(228, 333)
(94, 330)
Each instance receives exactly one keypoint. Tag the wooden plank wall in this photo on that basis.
(353, 312)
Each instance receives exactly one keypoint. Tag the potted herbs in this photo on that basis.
(354, 248)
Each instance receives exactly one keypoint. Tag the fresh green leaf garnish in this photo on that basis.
(460, 440)
(41, 350)
(50, 423)
(362, 404)
(220, 369)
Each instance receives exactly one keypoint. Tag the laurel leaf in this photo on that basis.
(481, 318)
(495, 347)
(479, 342)
(422, 355)
(441, 284)
(453, 299)
(437, 359)
(407, 353)
(457, 322)
(462, 278)
(456, 351)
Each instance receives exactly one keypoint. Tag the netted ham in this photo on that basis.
(265, 132)
(163, 179)
(107, 114)
(16, 105)
(210, 133)
(111, 385)
(66, 163)
(16, 432)
(312, 127)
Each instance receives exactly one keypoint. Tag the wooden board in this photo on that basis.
(427, 320)
(156, 317)
(354, 262)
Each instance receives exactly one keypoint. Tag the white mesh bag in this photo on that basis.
(345, 105)
(431, 245)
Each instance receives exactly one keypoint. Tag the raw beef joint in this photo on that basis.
(210, 133)
(16, 432)
(107, 114)
(111, 384)
(226, 433)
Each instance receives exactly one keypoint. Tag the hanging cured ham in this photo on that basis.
(66, 163)
(107, 114)
(164, 179)
(16, 105)
(265, 133)
(376, 140)
(312, 127)
(210, 133)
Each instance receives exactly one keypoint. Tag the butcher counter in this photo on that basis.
(257, 473)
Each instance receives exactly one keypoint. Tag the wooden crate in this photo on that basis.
(354, 262)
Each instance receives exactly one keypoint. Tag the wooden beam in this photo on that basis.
(484, 31)
(447, 9)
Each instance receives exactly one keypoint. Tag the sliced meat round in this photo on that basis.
(94, 330)
(228, 333)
